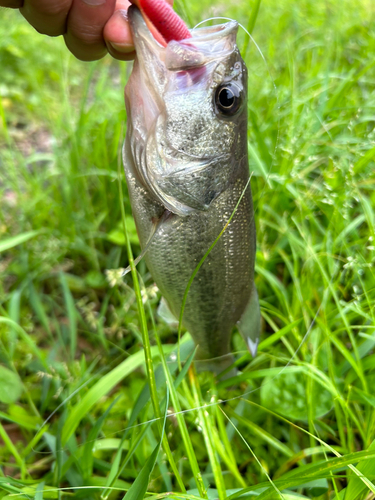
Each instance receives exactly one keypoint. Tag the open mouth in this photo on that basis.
(200, 47)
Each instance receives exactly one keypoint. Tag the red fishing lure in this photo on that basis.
(164, 18)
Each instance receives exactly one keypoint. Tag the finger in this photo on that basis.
(47, 16)
(117, 32)
(86, 22)
(118, 36)
(11, 4)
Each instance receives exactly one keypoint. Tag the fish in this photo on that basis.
(186, 167)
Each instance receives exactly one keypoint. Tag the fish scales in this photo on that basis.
(183, 155)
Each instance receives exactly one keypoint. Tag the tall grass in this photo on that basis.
(81, 413)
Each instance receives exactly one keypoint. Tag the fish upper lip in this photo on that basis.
(212, 32)
(140, 29)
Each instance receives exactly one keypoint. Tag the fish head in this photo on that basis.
(187, 114)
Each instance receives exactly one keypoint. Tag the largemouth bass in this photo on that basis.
(186, 165)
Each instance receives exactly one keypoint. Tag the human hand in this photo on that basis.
(91, 28)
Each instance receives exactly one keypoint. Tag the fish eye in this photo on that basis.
(228, 98)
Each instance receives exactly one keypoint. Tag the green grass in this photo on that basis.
(82, 415)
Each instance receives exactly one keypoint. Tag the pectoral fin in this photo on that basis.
(249, 324)
(166, 314)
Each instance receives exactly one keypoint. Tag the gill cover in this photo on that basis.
(184, 147)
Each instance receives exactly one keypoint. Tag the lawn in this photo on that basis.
(92, 394)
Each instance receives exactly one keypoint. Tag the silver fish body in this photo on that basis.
(186, 152)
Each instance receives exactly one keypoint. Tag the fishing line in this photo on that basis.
(245, 30)
(211, 404)
(267, 183)
(253, 454)
(283, 369)
(206, 405)
(261, 195)
(201, 262)
(166, 494)
(273, 83)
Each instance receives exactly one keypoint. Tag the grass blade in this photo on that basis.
(17, 240)
(144, 330)
(87, 456)
(356, 486)
(205, 424)
(138, 489)
(200, 264)
(13, 450)
(103, 387)
(72, 314)
(250, 25)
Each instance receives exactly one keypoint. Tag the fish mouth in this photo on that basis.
(206, 44)
(215, 32)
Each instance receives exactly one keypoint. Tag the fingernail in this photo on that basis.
(122, 47)
(94, 2)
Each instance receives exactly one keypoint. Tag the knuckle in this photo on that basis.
(48, 17)
(54, 8)
(87, 35)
